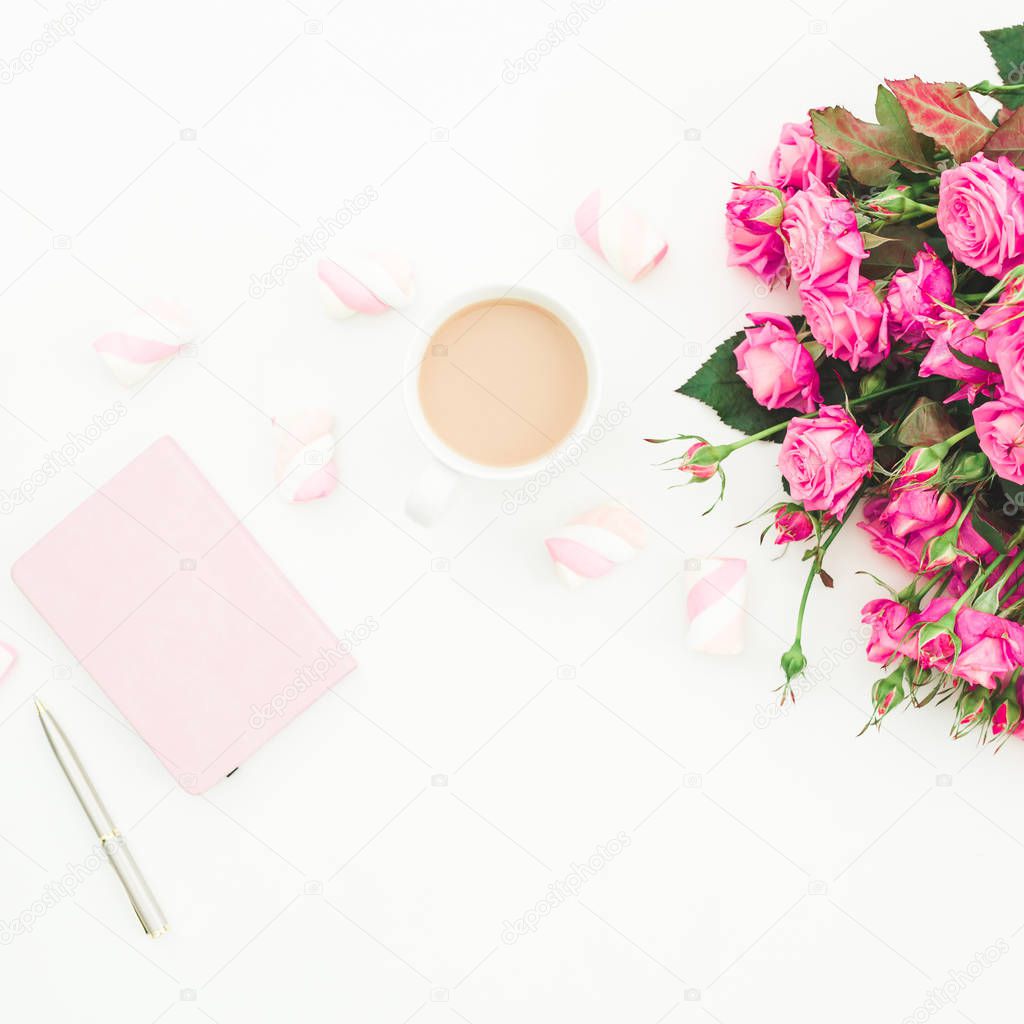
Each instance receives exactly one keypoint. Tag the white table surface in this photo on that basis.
(500, 729)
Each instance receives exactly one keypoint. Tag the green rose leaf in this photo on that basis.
(945, 112)
(871, 150)
(988, 532)
(1007, 48)
(975, 361)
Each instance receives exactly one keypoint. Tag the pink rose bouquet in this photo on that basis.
(894, 381)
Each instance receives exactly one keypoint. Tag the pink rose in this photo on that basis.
(847, 326)
(879, 528)
(954, 330)
(922, 512)
(902, 526)
(991, 647)
(916, 297)
(1000, 426)
(798, 157)
(823, 245)
(917, 524)
(792, 523)
(981, 213)
(1004, 345)
(825, 460)
(752, 219)
(697, 472)
(778, 370)
(889, 622)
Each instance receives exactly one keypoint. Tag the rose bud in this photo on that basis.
(792, 523)
(872, 382)
(888, 692)
(898, 202)
(1007, 714)
(698, 470)
(793, 662)
(968, 468)
(936, 643)
(942, 550)
(918, 469)
(971, 705)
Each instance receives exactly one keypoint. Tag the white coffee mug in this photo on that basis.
(437, 483)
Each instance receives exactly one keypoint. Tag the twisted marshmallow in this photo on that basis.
(370, 283)
(8, 656)
(716, 604)
(153, 336)
(592, 544)
(305, 468)
(620, 236)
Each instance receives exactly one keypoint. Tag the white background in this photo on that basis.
(777, 867)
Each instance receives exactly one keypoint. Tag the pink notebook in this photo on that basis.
(181, 617)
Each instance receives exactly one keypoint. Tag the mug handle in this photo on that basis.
(431, 493)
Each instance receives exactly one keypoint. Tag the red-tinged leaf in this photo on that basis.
(870, 150)
(945, 112)
(1008, 139)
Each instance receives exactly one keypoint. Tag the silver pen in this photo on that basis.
(139, 893)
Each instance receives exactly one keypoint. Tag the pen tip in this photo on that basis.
(40, 706)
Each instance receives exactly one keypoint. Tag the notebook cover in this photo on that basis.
(184, 621)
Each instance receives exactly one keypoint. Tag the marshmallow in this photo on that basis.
(716, 604)
(305, 468)
(149, 340)
(592, 544)
(367, 283)
(8, 656)
(620, 236)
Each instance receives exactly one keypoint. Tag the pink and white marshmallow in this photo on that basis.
(305, 469)
(591, 545)
(364, 283)
(619, 235)
(716, 600)
(8, 656)
(151, 337)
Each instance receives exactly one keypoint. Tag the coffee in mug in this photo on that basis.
(503, 382)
